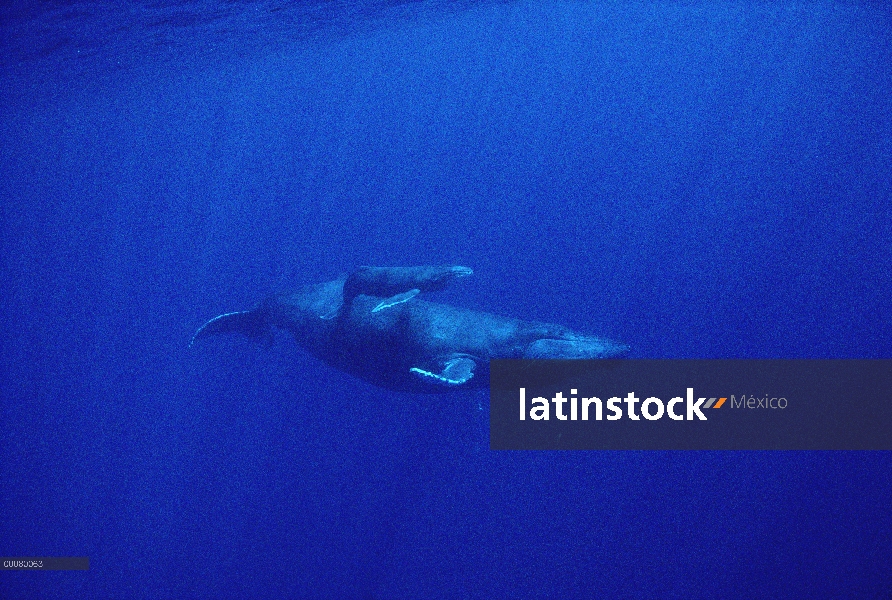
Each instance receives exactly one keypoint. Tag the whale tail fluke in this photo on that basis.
(250, 323)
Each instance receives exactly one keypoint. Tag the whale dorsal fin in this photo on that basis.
(454, 371)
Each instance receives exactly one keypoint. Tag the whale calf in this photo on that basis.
(373, 325)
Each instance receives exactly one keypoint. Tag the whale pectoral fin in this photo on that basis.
(331, 314)
(397, 299)
(455, 371)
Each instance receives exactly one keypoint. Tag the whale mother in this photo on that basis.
(371, 324)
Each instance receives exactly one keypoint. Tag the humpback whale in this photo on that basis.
(372, 324)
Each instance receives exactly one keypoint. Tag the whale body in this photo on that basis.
(372, 324)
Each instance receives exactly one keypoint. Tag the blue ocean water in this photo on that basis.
(696, 179)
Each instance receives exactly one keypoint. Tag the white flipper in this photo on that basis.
(398, 299)
(386, 303)
(331, 314)
(456, 371)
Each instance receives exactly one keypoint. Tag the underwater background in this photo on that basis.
(695, 179)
